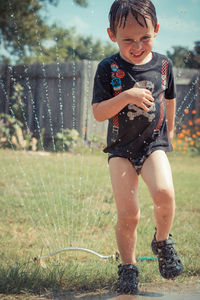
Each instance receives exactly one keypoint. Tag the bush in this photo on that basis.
(67, 139)
(97, 142)
(13, 132)
(13, 136)
(188, 139)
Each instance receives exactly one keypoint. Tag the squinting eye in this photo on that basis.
(146, 38)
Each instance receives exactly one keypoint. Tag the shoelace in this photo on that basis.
(168, 254)
(128, 273)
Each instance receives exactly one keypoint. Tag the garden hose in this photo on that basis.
(113, 257)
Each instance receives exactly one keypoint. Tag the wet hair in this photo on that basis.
(120, 10)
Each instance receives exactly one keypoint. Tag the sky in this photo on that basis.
(179, 20)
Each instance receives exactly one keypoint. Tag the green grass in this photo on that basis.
(52, 201)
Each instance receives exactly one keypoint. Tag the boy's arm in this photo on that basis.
(171, 112)
(109, 108)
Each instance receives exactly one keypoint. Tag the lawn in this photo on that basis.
(50, 201)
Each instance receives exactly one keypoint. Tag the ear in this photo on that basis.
(111, 35)
(156, 29)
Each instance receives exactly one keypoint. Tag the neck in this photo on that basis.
(147, 59)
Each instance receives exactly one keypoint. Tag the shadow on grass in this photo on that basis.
(56, 282)
(72, 280)
(32, 278)
(28, 278)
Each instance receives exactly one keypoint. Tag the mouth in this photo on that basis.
(138, 55)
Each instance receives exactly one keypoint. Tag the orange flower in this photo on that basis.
(186, 111)
(174, 147)
(198, 133)
(192, 143)
(190, 122)
(194, 112)
(194, 136)
(186, 139)
(181, 135)
(188, 131)
(179, 141)
(198, 121)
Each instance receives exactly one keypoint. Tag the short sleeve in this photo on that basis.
(170, 92)
(102, 89)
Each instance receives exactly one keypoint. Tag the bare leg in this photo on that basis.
(156, 173)
(125, 189)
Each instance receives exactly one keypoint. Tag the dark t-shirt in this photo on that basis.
(131, 133)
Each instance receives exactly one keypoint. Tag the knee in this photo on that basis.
(128, 221)
(164, 196)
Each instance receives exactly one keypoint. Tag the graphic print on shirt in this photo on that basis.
(163, 84)
(134, 110)
(117, 74)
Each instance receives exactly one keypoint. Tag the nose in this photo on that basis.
(137, 45)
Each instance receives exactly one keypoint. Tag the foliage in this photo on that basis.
(83, 3)
(68, 45)
(13, 132)
(22, 27)
(17, 110)
(13, 136)
(182, 57)
(67, 139)
(188, 139)
(97, 141)
(21, 24)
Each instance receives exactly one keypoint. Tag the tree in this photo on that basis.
(83, 3)
(67, 45)
(184, 58)
(21, 25)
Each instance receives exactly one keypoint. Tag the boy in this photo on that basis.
(129, 91)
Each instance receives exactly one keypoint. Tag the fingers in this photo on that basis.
(149, 96)
(143, 106)
(148, 91)
(141, 97)
(147, 101)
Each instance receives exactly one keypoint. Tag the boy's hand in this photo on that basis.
(141, 97)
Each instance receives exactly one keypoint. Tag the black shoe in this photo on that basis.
(128, 279)
(170, 265)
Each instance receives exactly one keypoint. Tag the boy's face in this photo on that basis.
(135, 41)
